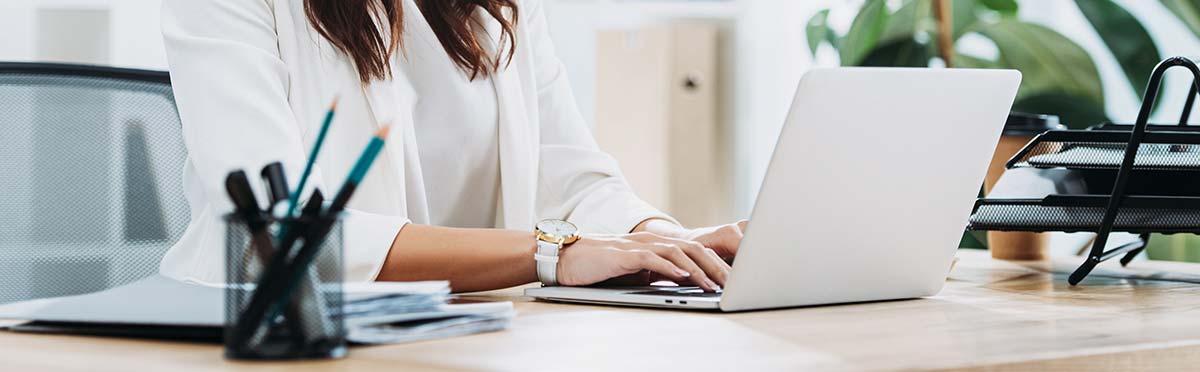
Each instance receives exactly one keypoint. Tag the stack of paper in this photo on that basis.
(374, 312)
(446, 320)
(404, 312)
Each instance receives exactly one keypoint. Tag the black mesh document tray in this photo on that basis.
(1166, 150)
(1083, 213)
(1138, 178)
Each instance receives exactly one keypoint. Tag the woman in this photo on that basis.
(486, 140)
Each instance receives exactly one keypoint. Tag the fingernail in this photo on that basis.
(682, 273)
(712, 284)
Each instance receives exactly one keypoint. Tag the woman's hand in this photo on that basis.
(724, 239)
(595, 259)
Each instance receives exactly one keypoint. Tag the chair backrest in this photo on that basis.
(91, 163)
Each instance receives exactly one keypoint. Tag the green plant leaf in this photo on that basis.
(1048, 60)
(899, 53)
(973, 240)
(864, 32)
(1006, 8)
(1074, 111)
(969, 61)
(1126, 39)
(965, 15)
(1188, 11)
(1177, 247)
(913, 17)
(817, 30)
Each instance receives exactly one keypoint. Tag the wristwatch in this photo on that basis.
(552, 236)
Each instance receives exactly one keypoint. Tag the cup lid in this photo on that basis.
(1024, 124)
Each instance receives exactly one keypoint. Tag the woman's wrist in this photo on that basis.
(662, 227)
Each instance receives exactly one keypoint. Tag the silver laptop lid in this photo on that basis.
(870, 186)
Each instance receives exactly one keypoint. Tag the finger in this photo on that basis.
(731, 238)
(681, 259)
(712, 264)
(717, 256)
(650, 260)
(709, 260)
(742, 225)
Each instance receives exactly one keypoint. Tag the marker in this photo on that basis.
(275, 178)
(242, 195)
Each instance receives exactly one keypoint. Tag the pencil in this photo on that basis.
(360, 170)
(275, 297)
(294, 200)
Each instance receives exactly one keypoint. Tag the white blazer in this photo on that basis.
(253, 80)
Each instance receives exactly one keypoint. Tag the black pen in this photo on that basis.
(277, 186)
(246, 207)
(237, 184)
(308, 298)
(248, 328)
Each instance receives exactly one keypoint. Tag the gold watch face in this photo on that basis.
(557, 231)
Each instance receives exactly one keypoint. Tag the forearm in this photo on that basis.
(471, 259)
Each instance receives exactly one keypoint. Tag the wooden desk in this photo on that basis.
(992, 316)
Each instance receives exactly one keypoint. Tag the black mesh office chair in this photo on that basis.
(91, 162)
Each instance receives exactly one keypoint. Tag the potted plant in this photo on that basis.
(1060, 77)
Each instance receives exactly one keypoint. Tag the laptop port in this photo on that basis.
(670, 301)
(683, 302)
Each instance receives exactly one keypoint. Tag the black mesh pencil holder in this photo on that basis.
(270, 316)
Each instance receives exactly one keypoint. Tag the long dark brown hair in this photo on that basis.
(370, 31)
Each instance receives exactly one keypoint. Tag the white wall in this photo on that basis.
(766, 56)
(133, 28)
(573, 24)
(771, 54)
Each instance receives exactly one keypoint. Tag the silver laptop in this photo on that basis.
(865, 198)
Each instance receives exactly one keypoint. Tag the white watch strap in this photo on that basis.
(547, 262)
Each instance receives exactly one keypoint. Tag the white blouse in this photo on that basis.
(459, 147)
(253, 80)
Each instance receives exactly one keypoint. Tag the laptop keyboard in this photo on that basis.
(682, 292)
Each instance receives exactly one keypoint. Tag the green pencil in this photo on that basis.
(360, 170)
(294, 200)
